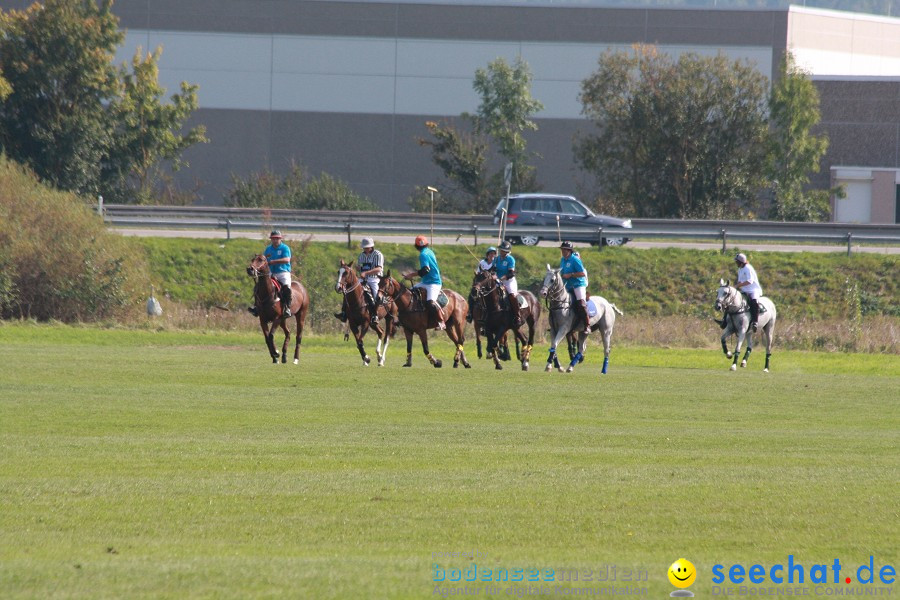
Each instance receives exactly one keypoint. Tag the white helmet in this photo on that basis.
(367, 242)
(741, 259)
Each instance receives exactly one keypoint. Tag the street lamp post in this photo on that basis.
(432, 190)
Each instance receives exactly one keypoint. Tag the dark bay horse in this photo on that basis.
(358, 315)
(498, 320)
(479, 311)
(415, 318)
(268, 305)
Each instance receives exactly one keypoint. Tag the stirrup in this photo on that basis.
(341, 316)
(253, 311)
(287, 312)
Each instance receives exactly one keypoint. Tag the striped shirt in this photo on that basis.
(367, 262)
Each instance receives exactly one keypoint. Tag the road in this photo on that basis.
(329, 237)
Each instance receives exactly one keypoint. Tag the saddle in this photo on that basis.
(504, 299)
(421, 301)
(761, 306)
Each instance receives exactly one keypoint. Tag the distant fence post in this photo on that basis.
(600, 239)
(724, 239)
(227, 229)
(475, 233)
(849, 242)
(100, 205)
(349, 229)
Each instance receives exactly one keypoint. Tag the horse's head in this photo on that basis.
(486, 287)
(346, 278)
(389, 286)
(258, 266)
(552, 281)
(725, 296)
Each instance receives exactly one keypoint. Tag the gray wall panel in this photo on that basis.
(333, 93)
(345, 55)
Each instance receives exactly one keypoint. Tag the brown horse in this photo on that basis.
(268, 306)
(479, 312)
(498, 319)
(359, 316)
(416, 318)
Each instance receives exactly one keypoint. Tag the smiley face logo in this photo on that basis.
(682, 573)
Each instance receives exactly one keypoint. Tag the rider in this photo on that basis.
(575, 276)
(431, 278)
(505, 266)
(370, 263)
(748, 283)
(279, 256)
(484, 266)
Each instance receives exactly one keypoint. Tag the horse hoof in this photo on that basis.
(438, 364)
(455, 364)
(525, 367)
(734, 367)
(467, 365)
(381, 363)
(743, 363)
(728, 355)
(498, 367)
(765, 370)
(408, 365)
(296, 361)
(366, 361)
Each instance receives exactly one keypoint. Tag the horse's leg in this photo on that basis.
(552, 358)
(299, 317)
(521, 342)
(409, 339)
(749, 349)
(455, 333)
(270, 340)
(359, 332)
(287, 338)
(526, 352)
(741, 333)
(579, 356)
(423, 336)
(494, 340)
(477, 339)
(769, 332)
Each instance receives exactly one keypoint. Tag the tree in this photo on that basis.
(77, 120)
(675, 138)
(794, 152)
(58, 59)
(499, 124)
(147, 131)
(5, 88)
(296, 190)
(505, 112)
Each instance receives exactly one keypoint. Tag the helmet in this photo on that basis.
(567, 246)
(367, 243)
(490, 249)
(421, 241)
(741, 259)
(275, 234)
(505, 246)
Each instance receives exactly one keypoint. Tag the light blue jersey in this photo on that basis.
(504, 264)
(428, 259)
(273, 253)
(572, 264)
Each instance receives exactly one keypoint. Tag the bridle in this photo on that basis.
(555, 295)
(340, 285)
(730, 301)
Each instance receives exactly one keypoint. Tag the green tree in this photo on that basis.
(58, 58)
(297, 190)
(147, 130)
(5, 88)
(504, 114)
(675, 138)
(794, 152)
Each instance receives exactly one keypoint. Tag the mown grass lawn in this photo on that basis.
(172, 465)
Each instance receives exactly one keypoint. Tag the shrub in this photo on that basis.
(57, 259)
(297, 190)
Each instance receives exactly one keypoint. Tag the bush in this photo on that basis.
(296, 190)
(57, 259)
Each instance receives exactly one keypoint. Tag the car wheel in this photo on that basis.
(613, 241)
(529, 240)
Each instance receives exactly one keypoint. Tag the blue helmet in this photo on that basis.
(490, 249)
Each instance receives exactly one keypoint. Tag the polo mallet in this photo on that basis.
(558, 234)
(467, 248)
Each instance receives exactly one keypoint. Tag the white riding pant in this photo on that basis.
(432, 290)
(372, 282)
(580, 293)
(284, 278)
(510, 285)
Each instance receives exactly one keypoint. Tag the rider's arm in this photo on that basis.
(279, 261)
(423, 271)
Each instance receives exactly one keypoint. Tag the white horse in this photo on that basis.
(563, 317)
(737, 321)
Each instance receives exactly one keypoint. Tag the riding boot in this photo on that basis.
(722, 324)
(514, 309)
(253, 310)
(373, 308)
(469, 313)
(581, 307)
(754, 313)
(343, 314)
(286, 300)
(438, 314)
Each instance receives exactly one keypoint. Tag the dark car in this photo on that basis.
(541, 210)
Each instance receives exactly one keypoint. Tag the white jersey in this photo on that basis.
(485, 265)
(752, 289)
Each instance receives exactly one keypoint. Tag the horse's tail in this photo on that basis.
(616, 308)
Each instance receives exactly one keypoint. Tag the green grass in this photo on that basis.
(165, 465)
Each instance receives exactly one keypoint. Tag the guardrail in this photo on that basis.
(481, 226)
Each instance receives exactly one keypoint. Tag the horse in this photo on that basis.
(498, 320)
(415, 318)
(737, 321)
(478, 314)
(358, 314)
(563, 319)
(268, 307)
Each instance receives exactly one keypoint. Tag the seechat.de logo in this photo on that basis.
(794, 572)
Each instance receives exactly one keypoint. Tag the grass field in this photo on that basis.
(136, 464)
